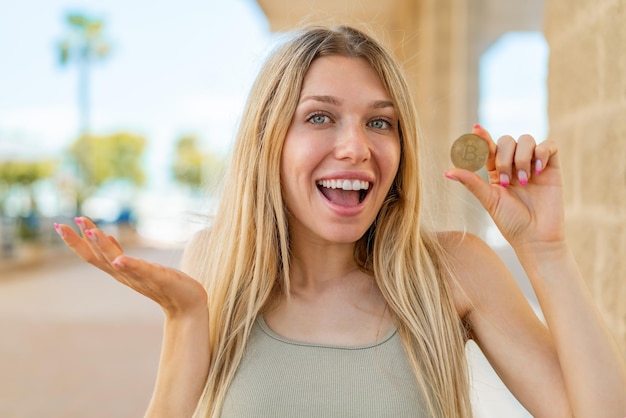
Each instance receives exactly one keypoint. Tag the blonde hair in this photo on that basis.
(246, 256)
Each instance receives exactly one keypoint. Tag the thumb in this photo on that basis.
(475, 184)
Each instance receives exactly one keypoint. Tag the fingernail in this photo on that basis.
(91, 235)
(451, 177)
(523, 177)
(477, 126)
(117, 264)
(504, 180)
(79, 221)
(538, 166)
(59, 230)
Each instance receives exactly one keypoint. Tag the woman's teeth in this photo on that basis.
(344, 184)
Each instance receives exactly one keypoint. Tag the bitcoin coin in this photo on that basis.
(469, 152)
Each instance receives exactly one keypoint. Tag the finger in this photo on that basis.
(84, 223)
(132, 271)
(115, 242)
(484, 134)
(504, 159)
(136, 269)
(77, 244)
(139, 268)
(80, 222)
(483, 191)
(67, 234)
(523, 158)
(102, 245)
(103, 250)
(546, 154)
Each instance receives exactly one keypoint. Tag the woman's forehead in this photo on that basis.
(335, 76)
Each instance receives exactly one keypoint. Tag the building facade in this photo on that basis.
(440, 43)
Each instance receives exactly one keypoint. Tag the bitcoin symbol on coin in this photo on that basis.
(469, 152)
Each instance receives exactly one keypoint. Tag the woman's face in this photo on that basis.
(341, 152)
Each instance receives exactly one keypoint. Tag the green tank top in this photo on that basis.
(279, 378)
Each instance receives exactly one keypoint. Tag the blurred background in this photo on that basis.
(125, 112)
(119, 111)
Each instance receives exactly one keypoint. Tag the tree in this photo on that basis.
(194, 168)
(187, 166)
(84, 44)
(17, 178)
(25, 173)
(110, 157)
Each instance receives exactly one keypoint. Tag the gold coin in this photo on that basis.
(469, 152)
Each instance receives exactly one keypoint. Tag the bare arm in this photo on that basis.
(591, 363)
(183, 366)
(584, 369)
(502, 323)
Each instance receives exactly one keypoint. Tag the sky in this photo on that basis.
(185, 67)
(513, 76)
(175, 68)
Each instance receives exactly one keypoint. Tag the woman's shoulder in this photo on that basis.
(194, 250)
(473, 268)
(461, 244)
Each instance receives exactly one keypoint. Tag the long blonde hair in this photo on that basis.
(246, 255)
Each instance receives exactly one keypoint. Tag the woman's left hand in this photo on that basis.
(524, 195)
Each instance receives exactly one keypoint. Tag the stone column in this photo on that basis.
(587, 114)
(439, 43)
(444, 77)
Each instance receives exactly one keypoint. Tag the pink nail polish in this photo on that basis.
(504, 180)
(117, 264)
(79, 221)
(523, 177)
(538, 166)
(477, 126)
(91, 235)
(59, 230)
(450, 176)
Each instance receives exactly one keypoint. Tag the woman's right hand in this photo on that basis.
(176, 292)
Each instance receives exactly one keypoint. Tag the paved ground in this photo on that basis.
(74, 344)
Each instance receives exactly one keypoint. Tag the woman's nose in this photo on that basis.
(353, 144)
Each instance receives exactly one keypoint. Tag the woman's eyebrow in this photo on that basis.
(376, 104)
(324, 99)
(379, 104)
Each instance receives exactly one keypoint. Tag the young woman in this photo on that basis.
(320, 292)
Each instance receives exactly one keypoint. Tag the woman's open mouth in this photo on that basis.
(344, 192)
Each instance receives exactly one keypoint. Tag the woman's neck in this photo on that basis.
(318, 265)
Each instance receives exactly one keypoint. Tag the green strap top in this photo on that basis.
(279, 378)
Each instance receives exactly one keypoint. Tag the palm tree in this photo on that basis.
(84, 44)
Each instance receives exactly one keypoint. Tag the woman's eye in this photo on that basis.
(379, 124)
(318, 119)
